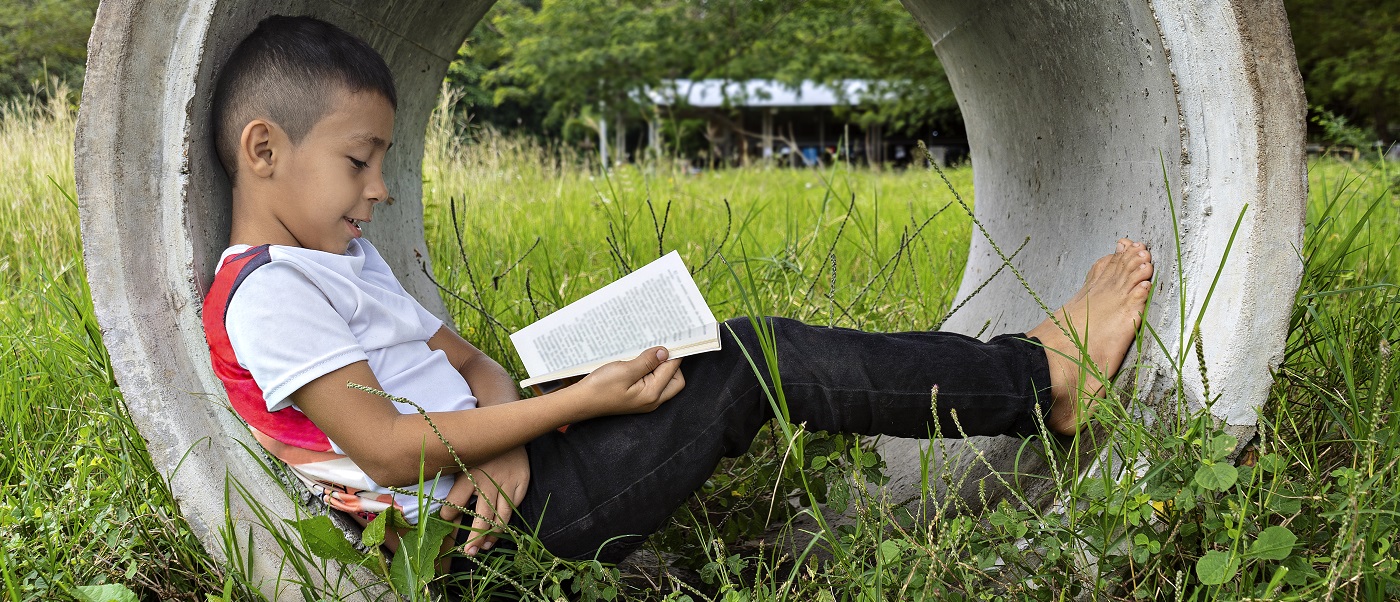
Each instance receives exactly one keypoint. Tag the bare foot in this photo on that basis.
(1101, 320)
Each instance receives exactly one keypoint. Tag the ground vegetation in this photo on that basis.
(1309, 511)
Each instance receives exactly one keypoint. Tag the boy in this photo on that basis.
(302, 305)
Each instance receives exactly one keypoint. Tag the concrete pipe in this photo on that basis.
(1073, 111)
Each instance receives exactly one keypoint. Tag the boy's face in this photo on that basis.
(332, 179)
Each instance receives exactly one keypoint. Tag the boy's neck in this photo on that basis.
(253, 224)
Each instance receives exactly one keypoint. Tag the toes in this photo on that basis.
(1131, 264)
(1140, 291)
(1144, 273)
(1098, 268)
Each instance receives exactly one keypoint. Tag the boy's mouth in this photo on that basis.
(354, 225)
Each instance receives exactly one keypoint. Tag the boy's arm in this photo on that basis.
(490, 383)
(498, 483)
(388, 445)
(501, 482)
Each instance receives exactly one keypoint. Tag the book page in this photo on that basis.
(705, 339)
(655, 305)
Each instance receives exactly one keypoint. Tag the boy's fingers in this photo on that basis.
(481, 524)
(673, 386)
(662, 376)
(502, 519)
(503, 514)
(647, 362)
(459, 495)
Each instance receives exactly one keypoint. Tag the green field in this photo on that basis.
(1315, 517)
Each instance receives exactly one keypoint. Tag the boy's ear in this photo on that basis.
(259, 147)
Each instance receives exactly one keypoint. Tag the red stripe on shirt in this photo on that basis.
(287, 425)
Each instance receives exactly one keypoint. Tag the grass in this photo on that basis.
(1315, 517)
(80, 503)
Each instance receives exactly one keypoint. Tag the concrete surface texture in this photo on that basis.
(1079, 117)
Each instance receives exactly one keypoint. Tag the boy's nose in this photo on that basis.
(379, 193)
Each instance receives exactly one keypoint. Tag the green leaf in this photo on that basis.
(326, 540)
(1219, 476)
(1272, 463)
(414, 565)
(406, 575)
(890, 550)
(1274, 543)
(1300, 571)
(373, 535)
(1094, 489)
(1221, 446)
(1283, 504)
(1216, 567)
(111, 592)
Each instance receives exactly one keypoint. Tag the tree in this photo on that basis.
(878, 41)
(1349, 54)
(588, 61)
(42, 39)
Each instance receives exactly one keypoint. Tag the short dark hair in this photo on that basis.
(287, 71)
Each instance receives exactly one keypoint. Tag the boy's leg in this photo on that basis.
(616, 479)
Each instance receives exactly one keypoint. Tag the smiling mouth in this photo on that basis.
(354, 225)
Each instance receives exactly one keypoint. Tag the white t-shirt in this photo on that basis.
(306, 313)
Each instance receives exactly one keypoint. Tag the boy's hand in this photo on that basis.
(499, 484)
(634, 386)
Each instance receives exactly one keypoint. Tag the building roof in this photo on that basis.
(757, 93)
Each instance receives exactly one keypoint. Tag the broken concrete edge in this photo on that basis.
(1244, 166)
(138, 256)
(1213, 160)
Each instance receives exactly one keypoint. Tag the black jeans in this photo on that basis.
(610, 482)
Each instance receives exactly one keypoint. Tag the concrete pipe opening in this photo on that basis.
(1079, 115)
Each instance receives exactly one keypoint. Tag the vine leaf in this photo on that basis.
(1274, 543)
(326, 540)
(111, 592)
(1216, 567)
(1218, 476)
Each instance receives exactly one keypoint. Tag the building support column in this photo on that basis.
(768, 136)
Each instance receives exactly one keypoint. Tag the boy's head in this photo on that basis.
(290, 71)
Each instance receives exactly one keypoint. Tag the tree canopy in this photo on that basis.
(1349, 53)
(566, 59)
(538, 65)
(43, 39)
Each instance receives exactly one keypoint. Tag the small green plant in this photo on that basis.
(1338, 131)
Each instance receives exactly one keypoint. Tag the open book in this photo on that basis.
(658, 304)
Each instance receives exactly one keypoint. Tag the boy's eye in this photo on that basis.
(358, 163)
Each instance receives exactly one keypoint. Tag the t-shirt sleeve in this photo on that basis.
(285, 332)
(431, 323)
(385, 277)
